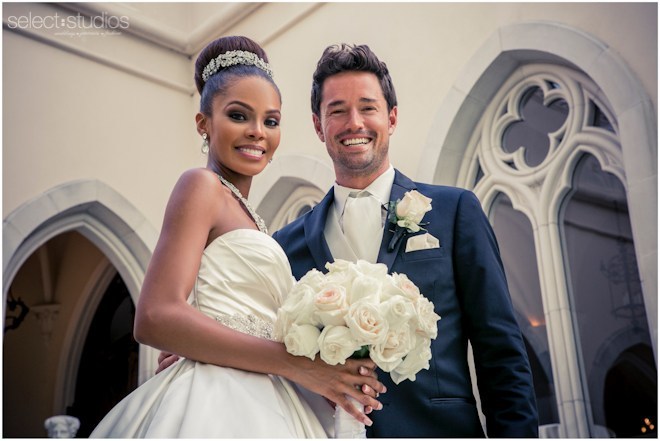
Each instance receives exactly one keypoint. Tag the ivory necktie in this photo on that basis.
(362, 224)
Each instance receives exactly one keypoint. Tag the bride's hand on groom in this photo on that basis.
(165, 360)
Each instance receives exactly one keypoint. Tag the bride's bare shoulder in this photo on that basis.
(197, 177)
(198, 187)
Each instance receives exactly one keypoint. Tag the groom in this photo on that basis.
(454, 260)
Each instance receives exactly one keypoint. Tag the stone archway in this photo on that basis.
(632, 381)
(622, 350)
(107, 220)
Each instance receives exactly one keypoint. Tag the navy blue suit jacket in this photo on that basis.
(464, 278)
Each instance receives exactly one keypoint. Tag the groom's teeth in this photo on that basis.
(356, 141)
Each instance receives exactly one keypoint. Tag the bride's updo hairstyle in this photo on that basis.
(243, 58)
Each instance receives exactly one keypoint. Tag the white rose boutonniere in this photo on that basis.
(407, 214)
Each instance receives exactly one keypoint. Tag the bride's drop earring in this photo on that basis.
(205, 143)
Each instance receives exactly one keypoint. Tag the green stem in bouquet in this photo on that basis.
(363, 352)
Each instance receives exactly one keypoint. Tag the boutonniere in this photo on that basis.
(406, 214)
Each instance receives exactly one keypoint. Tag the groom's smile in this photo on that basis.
(356, 141)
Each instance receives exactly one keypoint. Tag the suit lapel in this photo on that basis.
(314, 228)
(401, 185)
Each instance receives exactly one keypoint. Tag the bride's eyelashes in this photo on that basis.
(272, 122)
(237, 116)
(241, 117)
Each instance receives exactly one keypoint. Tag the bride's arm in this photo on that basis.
(198, 210)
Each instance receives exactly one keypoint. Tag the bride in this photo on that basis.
(234, 381)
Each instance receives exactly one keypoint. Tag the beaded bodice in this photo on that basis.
(243, 278)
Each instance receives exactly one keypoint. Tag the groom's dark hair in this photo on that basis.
(350, 58)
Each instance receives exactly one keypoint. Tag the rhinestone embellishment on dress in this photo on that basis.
(248, 324)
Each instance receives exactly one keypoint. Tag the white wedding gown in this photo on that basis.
(242, 279)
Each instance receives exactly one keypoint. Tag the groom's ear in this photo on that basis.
(318, 127)
(393, 119)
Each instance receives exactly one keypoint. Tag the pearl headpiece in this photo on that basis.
(232, 58)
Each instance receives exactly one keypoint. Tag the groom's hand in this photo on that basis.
(366, 389)
(336, 382)
(165, 360)
(364, 370)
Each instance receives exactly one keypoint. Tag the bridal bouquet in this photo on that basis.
(358, 310)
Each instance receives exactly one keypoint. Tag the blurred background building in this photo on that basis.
(547, 111)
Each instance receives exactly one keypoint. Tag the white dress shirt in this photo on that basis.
(333, 232)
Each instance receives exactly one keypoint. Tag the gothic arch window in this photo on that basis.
(545, 159)
(606, 295)
(518, 251)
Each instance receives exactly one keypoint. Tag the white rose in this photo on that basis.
(398, 310)
(343, 278)
(389, 354)
(411, 209)
(401, 285)
(299, 305)
(338, 265)
(336, 344)
(414, 362)
(365, 288)
(377, 270)
(331, 305)
(303, 340)
(427, 319)
(313, 278)
(366, 322)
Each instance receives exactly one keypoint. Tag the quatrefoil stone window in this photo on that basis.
(539, 123)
